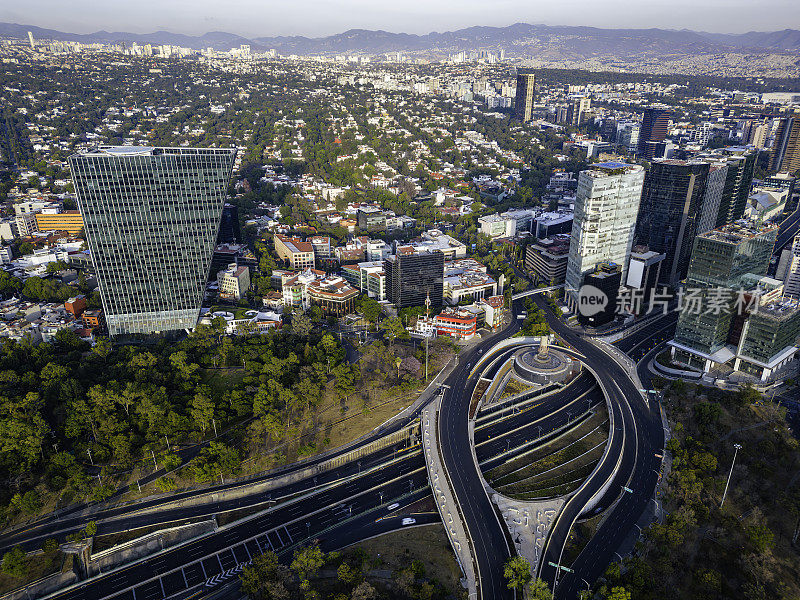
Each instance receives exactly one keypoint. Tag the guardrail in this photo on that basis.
(474, 575)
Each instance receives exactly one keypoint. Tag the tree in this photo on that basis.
(517, 572)
(539, 590)
(215, 461)
(346, 574)
(307, 561)
(202, 411)
(301, 324)
(90, 529)
(619, 593)
(393, 329)
(266, 578)
(371, 309)
(14, 562)
(363, 591)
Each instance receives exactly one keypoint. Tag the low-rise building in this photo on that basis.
(322, 247)
(233, 282)
(435, 240)
(546, 259)
(369, 277)
(93, 318)
(497, 226)
(333, 294)
(299, 255)
(295, 288)
(371, 217)
(550, 224)
(467, 279)
(494, 309)
(70, 221)
(25, 224)
(458, 323)
(75, 306)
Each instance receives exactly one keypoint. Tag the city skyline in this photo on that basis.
(314, 19)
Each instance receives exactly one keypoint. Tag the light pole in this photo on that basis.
(727, 483)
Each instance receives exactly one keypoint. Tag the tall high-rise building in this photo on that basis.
(628, 135)
(229, 229)
(741, 162)
(757, 135)
(653, 130)
(786, 146)
(578, 109)
(151, 217)
(727, 268)
(526, 86)
(412, 277)
(30, 39)
(606, 207)
(672, 200)
(791, 271)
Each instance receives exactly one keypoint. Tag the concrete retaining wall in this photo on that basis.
(145, 545)
(42, 587)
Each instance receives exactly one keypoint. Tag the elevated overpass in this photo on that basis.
(534, 291)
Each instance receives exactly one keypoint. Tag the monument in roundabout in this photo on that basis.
(543, 365)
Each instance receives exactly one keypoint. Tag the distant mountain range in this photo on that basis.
(519, 40)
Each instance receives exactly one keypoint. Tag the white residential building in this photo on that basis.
(233, 282)
(497, 226)
(606, 208)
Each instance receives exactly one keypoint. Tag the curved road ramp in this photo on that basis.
(445, 499)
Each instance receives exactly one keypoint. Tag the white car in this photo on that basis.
(408, 521)
(393, 506)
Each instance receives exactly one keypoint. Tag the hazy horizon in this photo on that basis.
(316, 18)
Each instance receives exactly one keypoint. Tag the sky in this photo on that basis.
(318, 18)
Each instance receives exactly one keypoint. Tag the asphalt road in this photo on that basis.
(491, 547)
(348, 506)
(642, 439)
(124, 518)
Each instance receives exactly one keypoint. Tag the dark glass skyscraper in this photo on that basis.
(672, 198)
(411, 277)
(653, 130)
(741, 163)
(151, 217)
(721, 259)
(785, 154)
(229, 229)
(523, 104)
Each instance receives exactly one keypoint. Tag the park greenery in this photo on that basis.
(748, 547)
(71, 414)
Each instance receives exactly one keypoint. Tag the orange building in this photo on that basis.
(75, 306)
(458, 323)
(70, 221)
(93, 318)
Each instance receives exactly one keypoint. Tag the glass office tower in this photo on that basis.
(413, 277)
(526, 87)
(672, 198)
(151, 217)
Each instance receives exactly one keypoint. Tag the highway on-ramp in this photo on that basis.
(642, 446)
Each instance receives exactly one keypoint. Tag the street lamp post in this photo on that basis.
(730, 474)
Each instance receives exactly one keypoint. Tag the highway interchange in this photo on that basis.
(341, 506)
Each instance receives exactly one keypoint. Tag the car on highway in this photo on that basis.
(393, 506)
(408, 521)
